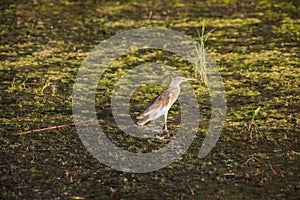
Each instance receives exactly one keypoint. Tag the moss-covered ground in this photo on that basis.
(255, 45)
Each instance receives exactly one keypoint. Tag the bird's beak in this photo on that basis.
(190, 79)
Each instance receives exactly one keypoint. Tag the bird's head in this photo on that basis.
(177, 80)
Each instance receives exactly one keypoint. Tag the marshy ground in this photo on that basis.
(255, 45)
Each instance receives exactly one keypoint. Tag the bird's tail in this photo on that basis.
(142, 119)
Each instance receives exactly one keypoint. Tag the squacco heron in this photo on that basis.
(163, 102)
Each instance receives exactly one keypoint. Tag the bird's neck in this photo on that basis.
(175, 88)
(174, 85)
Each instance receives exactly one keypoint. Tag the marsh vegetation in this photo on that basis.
(255, 45)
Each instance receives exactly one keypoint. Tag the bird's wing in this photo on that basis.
(159, 103)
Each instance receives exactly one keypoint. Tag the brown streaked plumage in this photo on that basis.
(163, 102)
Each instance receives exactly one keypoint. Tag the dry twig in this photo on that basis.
(52, 127)
(191, 189)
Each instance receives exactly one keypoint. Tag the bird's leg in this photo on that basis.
(164, 128)
(165, 124)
